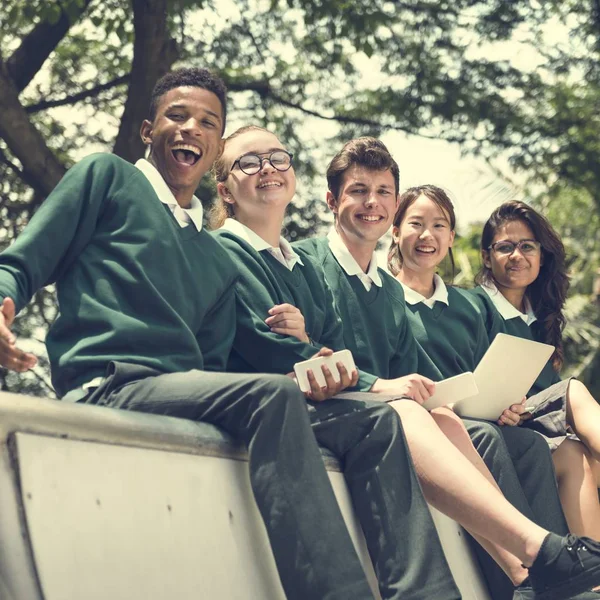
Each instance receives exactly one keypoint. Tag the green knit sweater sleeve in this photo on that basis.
(258, 289)
(60, 229)
(481, 337)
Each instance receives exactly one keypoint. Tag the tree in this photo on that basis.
(77, 74)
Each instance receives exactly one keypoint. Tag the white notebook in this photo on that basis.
(502, 378)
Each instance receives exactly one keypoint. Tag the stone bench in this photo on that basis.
(100, 504)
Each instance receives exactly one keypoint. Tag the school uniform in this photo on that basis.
(450, 328)
(548, 394)
(361, 430)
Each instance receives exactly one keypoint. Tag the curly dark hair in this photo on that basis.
(411, 195)
(548, 293)
(191, 77)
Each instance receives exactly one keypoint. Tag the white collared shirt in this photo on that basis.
(349, 264)
(440, 294)
(505, 308)
(183, 216)
(285, 254)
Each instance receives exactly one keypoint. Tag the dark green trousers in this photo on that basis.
(311, 544)
(521, 463)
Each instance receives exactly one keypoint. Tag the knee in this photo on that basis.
(451, 424)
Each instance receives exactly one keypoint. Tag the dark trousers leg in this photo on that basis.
(522, 466)
(368, 438)
(311, 544)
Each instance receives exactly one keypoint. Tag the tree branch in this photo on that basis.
(38, 44)
(40, 165)
(73, 99)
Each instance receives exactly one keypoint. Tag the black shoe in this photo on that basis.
(565, 567)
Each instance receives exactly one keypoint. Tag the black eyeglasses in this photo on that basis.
(506, 247)
(251, 164)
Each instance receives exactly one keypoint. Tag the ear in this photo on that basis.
(395, 232)
(225, 193)
(397, 204)
(332, 202)
(221, 148)
(541, 258)
(485, 257)
(452, 234)
(146, 132)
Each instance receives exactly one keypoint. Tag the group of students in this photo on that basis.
(159, 315)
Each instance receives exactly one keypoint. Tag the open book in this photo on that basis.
(502, 378)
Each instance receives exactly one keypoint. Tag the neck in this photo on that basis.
(361, 250)
(184, 199)
(269, 229)
(515, 297)
(419, 281)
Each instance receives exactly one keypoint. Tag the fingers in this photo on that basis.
(15, 359)
(8, 311)
(332, 387)
(316, 393)
(323, 352)
(510, 417)
(286, 319)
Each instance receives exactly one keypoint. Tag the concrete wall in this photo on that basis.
(97, 503)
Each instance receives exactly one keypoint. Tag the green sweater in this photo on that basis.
(132, 284)
(376, 329)
(495, 323)
(264, 282)
(453, 336)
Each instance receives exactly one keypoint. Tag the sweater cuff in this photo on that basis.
(365, 381)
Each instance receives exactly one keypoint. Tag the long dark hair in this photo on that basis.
(548, 293)
(409, 197)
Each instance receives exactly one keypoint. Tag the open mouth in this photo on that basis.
(425, 249)
(266, 185)
(370, 218)
(186, 154)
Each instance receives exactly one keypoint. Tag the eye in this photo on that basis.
(280, 158)
(528, 247)
(250, 161)
(208, 123)
(504, 248)
(415, 223)
(175, 116)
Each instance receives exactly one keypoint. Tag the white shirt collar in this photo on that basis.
(285, 254)
(505, 308)
(440, 293)
(349, 264)
(183, 216)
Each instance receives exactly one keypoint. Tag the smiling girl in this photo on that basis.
(522, 291)
(450, 328)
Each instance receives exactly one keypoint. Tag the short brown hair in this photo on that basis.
(368, 152)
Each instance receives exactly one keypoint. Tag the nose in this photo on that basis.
(191, 126)
(371, 199)
(265, 165)
(425, 233)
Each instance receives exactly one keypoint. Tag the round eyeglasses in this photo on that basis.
(506, 247)
(252, 163)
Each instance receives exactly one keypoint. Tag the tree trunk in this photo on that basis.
(153, 54)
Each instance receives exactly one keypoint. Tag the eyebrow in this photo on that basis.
(186, 107)
(265, 152)
(364, 184)
(422, 217)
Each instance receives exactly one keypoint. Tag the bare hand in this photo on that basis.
(10, 356)
(286, 319)
(514, 415)
(414, 386)
(331, 388)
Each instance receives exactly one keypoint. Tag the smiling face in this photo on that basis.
(365, 205)
(513, 271)
(184, 138)
(265, 190)
(424, 236)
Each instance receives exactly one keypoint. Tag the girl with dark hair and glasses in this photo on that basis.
(523, 286)
(450, 327)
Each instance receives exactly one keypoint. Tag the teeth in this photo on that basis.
(268, 184)
(370, 218)
(196, 151)
(428, 249)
